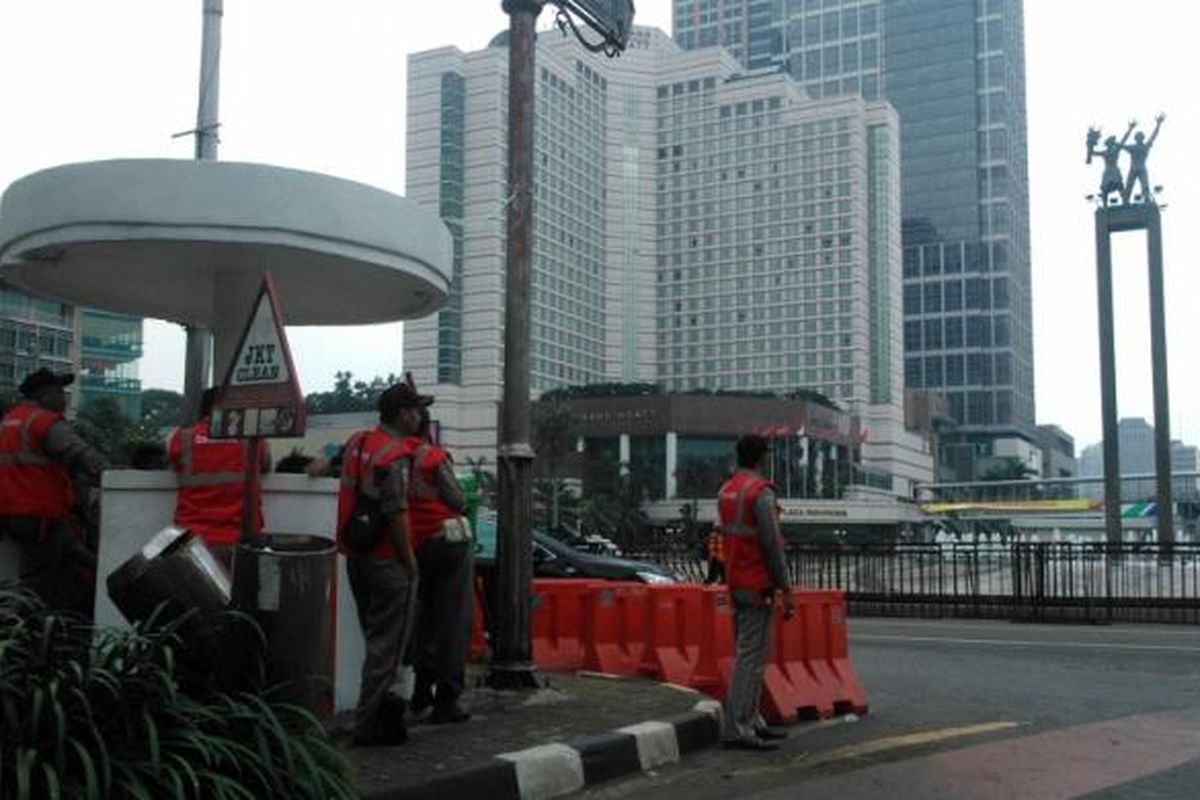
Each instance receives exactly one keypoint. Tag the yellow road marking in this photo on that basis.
(884, 745)
(906, 740)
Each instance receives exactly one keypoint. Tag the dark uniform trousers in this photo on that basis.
(385, 593)
(438, 651)
(52, 562)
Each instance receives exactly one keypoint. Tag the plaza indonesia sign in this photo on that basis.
(261, 394)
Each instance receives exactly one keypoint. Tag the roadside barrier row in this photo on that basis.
(683, 634)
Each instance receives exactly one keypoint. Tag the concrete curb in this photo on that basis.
(554, 770)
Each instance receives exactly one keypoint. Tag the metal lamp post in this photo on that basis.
(512, 650)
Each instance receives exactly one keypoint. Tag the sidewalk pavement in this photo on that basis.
(579, 730)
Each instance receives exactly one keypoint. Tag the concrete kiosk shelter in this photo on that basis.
(188, 241)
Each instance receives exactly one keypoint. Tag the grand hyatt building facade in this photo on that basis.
(696, 226)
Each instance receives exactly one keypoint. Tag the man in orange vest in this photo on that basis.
(45, 470)
(212, 475)
(382, 571)
(442, 541)
(756, 574)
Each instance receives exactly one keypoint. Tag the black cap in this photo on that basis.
(44, 378)
(402, 395)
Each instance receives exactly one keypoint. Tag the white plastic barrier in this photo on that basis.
(135, 505)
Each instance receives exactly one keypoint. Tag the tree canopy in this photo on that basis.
(349, 395)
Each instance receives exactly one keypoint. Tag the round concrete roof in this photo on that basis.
(156, 237)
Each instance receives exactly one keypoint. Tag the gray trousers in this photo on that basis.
(385, 594)
(752, 626)
(438, 651)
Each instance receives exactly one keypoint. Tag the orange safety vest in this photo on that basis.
(366, 451)
(426, 509)
(212, 477)
(31, 483)
(745, 563)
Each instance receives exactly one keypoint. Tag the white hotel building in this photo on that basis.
(696, 226)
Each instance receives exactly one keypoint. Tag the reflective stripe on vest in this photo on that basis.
(25, 454)
(31, 483)
(737, 527)
(427, 511)
(351, 477)
(358, 478)
(745, 559)
(188, 476)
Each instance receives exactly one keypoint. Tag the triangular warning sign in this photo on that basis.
(261, 392)
(260, 357)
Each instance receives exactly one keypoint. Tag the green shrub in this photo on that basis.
(104, 717)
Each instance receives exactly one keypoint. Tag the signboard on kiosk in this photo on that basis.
(260, 396)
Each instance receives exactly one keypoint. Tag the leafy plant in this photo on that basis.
(107, 718)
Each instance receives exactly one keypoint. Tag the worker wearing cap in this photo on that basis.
(383, 575)
(212, 482)
(46, 469)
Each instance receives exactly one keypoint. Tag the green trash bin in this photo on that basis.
(285, 582)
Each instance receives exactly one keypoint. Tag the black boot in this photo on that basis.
(422, 696)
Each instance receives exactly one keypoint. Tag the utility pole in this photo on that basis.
(512, 658)
(512, 652)
(199, 338)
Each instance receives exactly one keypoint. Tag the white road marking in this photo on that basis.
(880, 637)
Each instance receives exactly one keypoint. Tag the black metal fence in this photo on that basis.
(1026, 581)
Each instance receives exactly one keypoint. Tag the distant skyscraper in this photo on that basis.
(955, 72)
(34, 333)
(694, 226)
(111, 347)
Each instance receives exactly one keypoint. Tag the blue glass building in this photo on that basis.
(955, 72)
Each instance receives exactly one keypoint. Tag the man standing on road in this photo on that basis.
(45, 470)
(756, 574)
(383, 573)
(442, 541)
(212, 479)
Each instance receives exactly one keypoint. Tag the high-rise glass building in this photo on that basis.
(954, 70)
(34, 333)
(111, 347)
(696, 225)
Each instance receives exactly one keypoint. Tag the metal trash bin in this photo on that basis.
(286, 584)
(174, 568)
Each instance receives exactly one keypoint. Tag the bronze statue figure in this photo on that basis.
(1111, 180)
(1138, 152)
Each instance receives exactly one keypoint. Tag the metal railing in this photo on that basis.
(1023, 581)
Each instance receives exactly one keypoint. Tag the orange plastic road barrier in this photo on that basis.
(714, 657)
(672, 626)
(835, 650)
(478, 649)
(559, 623)
(615, 626)
(804, 695)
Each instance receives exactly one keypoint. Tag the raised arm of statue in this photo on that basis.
(1129, 130)
(1158, 121)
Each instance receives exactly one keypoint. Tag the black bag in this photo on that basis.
(366, 526)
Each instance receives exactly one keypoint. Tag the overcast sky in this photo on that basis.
(321, 85)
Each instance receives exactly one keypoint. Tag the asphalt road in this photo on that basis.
(963, 709)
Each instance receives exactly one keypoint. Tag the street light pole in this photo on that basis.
(512, 655)
(199, 338)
